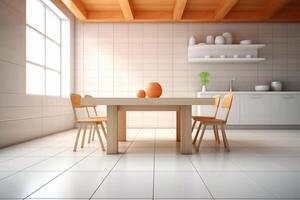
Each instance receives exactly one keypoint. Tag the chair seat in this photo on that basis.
(213, 121)
(200, 118)
(99, 118)
(89, 121)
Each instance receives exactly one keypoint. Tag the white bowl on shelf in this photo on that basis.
(262, 88)
(245, 42)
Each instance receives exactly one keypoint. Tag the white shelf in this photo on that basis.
(227, 46)
(197, 53)
(225, 60)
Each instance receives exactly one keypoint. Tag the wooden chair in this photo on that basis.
(200, 118)
(95, 115)
(84, 123)
(226, 104)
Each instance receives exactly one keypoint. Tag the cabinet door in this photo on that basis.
(256, 109)
(288, 109)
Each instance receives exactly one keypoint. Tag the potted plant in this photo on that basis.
(203, 76)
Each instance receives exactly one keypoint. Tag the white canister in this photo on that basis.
(210, 39)
(276, 85)
(220, 40)
(228, 37)
(192, 41)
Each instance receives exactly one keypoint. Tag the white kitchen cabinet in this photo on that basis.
(257, 109)
(288, 109)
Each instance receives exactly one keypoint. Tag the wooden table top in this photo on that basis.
(120, 101)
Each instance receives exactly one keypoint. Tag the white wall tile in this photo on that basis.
(21, 115)
(131, 55)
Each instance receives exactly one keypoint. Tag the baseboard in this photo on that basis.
(250, 127)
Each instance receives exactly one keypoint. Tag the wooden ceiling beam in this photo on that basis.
(153, 16)
(273, 7)
(127, 9)
(105, 16)
(179, 9)
(243, 16)
(77, 8)
(224, 8)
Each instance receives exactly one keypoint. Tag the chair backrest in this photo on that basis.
(217, 103)
(76, 103)
(92, 106)
(226, 104)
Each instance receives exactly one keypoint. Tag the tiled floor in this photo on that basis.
(262, 164)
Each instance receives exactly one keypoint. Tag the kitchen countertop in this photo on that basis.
(251, 92)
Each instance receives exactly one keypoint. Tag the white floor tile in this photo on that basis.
(173, 163)
(4, 174)
(128, 185)
(105, 163)
(44, 152)
(135, 163)
(213, 163)
(261, 164)
(281, 184)
(55, 164)
(179, 185)
(71, 185)
(257, 163)
(20, 163)
(23, 184)
(16, 151)
(233, 185)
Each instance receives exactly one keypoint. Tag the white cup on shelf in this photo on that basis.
(235, 56)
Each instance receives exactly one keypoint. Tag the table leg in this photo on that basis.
(178, 126)
(186, 127)
(122, 125)
(112, 130)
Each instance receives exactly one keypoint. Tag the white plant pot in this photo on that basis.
(203, 88)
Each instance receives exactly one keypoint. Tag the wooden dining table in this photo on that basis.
(116, 116)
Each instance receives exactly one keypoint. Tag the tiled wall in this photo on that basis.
(23, 117)
(114, 59)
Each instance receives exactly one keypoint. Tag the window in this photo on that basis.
(47, 49)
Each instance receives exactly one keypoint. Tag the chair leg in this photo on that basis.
(94, 132)
(100, 139)
(103, 129)
(193, 126)
(217, 134)
(215, 128)
(201, 137)
(197, 133)
(90, 133)
(77, 138)
(225, 141)
(83, 137)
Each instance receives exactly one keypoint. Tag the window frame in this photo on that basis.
(60, 45)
